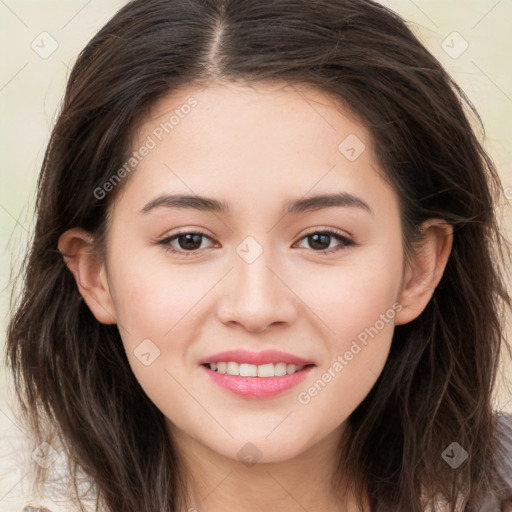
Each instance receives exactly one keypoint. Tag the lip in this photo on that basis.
(257, 387)
(263, 357)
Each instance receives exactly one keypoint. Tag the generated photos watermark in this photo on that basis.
(342, 360)
(151, 142)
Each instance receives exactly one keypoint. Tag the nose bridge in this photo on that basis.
(257, 283)
(254, 295)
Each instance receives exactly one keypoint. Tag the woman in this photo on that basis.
(256, 368)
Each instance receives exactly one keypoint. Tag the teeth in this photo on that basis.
(265, 370)
(253, 370)
(280, 369)
(290, 368)
(233, 368)
(249, 370)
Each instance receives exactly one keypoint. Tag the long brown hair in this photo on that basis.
(71, 373)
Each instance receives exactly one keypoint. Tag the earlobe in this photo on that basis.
(423, 274)
(76, 247)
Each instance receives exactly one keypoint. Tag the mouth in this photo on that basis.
(252, 370)
(256, 381)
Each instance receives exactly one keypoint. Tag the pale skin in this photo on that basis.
(256, 149)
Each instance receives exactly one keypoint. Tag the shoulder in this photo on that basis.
(503, 456)
(500, 500)
(503, 460)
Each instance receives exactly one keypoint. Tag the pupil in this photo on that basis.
(192, 239)
(315, 240)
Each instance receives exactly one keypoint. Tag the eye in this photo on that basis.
(317, 239)
(189, 242)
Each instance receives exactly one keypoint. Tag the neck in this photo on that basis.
(217, 483)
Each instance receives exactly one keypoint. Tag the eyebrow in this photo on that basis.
(303, 205)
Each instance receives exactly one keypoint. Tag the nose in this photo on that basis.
(256, 295)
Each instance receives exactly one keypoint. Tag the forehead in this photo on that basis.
(278, 118)
(254, 109)
(245, 142)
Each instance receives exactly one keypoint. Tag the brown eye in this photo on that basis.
(318, 240)
(187, 242)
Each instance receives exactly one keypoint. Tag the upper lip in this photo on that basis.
(257, 358)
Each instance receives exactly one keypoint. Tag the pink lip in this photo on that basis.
(264, 357)
(257, 387)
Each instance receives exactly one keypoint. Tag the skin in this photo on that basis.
(256, 148)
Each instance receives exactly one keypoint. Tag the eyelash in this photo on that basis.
(346, 242)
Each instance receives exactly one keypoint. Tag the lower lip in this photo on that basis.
(257, 387)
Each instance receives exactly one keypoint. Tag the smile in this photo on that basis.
(253, 370)
(256, 387)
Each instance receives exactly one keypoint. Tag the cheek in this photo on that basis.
(154, 309)
(358, 305)
(158, 307)
(151, 298)
(351, 298)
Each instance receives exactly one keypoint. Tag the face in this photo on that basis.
(290, 284)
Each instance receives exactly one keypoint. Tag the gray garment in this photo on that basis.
(502, 500)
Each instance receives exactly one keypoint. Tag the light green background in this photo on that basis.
(31, 89)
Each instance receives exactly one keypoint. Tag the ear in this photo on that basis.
(422, 275)
(88, 269)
